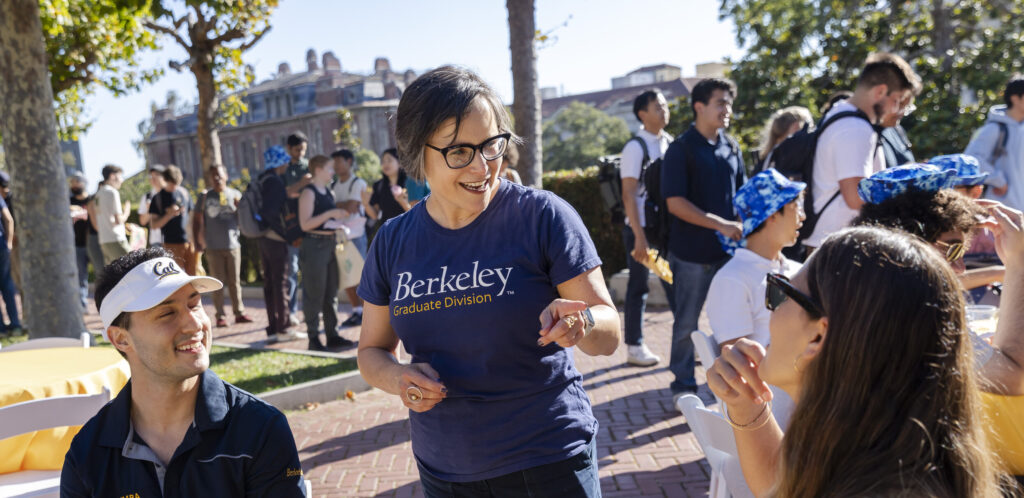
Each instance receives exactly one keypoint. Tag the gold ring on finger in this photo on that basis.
(569, 321)
(414, 394)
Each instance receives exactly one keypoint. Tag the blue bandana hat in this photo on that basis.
(762, 196)
(968, 170)
(275, 157)
(891, 182)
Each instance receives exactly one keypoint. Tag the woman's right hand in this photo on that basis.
(735, 380)
(423, 377)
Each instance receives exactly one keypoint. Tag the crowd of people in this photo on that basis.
(902, 397)
(291, 193)
(847, 367)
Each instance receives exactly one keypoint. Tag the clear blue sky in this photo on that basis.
(604, 38)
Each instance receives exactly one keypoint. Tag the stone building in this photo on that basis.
(618, 101)
(307, 101)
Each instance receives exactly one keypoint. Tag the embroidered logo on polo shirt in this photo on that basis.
(162, 271)
(292, 473)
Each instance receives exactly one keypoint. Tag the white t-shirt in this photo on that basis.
(847, 149)
(632, 162)
(735, 302)
(108, 205)
(352, 190)
(155, 237)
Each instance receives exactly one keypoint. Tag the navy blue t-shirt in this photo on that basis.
(467, 302)
(707, 175)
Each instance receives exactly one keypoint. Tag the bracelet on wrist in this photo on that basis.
(753, 424)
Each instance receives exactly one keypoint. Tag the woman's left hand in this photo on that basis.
(562, 322)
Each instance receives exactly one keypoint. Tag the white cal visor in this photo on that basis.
(147, 285)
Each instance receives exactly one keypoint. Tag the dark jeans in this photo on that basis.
(82, 259)
(319, 285)
(575, 477)
(92, 245)
(692, 281)
(636, 292)
(274, 255)
(7, 288)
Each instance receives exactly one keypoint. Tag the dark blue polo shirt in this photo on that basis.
(707, 175)
(237, 446)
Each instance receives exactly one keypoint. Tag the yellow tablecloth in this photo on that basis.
(42, 373)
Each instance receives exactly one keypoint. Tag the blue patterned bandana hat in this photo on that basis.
(968, 170)
(891, 182)
(762, 196)
(275, 156)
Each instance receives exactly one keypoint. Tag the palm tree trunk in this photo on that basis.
(526, 93)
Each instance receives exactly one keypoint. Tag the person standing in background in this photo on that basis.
(156, 184)
(111, 215)
(216, 232)
(170, 212)
(348, 189)
(80, 225)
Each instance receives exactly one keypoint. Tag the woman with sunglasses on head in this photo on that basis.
(919, 199)
(869, 340)
(490, 286)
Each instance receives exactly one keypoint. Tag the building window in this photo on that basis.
(229, 158)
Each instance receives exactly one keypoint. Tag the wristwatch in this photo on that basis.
(588, 318)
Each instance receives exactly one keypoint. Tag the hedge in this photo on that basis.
(580, 188)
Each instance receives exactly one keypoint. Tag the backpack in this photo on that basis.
(610, 187)
(655, 209)
(794, 158)
(250, 223)
(1000, 148)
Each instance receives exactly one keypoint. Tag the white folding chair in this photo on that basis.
(37, 415)
(716, 439)
(706, 348)
(84, 339)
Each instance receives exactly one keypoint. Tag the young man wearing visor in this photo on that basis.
(175, 429)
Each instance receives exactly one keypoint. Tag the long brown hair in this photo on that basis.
(890, 406)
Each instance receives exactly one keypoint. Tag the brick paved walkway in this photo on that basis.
(361, 448)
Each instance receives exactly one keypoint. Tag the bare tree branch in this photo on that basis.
(231, 34)
(170, 31)
(247, 45)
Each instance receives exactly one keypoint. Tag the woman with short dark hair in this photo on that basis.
(489, 286)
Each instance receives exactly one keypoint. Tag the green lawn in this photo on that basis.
(256, 370)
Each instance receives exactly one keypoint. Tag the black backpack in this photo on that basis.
(655, 209)
(794, 158)
(656, 213)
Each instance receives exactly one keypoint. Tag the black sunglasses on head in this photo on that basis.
(779, 289)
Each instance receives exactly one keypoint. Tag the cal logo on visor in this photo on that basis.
(162, 271)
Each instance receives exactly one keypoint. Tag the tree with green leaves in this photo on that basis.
(93, 44)
(798, 53)
(214, 34)
(29, 126)
(579, 134)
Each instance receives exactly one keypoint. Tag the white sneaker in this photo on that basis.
(641, 356)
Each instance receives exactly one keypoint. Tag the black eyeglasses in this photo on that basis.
(461, 155)
(954, 251)
(779, 289)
